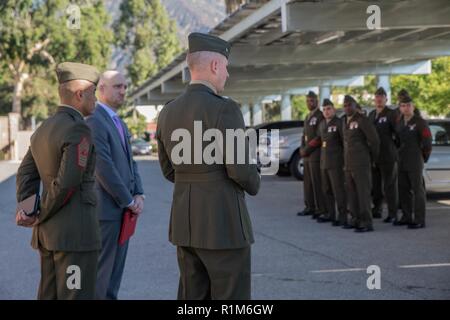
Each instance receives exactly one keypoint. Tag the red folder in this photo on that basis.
(128, 226)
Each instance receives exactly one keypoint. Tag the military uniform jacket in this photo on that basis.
(310, 140)
(361, 142)
(385, 123)
(208, 207)
(62, 156)
(332, 150)
(415, 143)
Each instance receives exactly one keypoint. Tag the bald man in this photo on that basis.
(117, 179)
(61, 156)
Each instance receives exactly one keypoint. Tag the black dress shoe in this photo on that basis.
(336, 223)
(388, 220)
(323, 219)
(347, 226)
(416, 225)
(364, 229)
(315, 216)
(376, 213)
(400, 222)
(305, 212)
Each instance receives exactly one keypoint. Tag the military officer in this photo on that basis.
(384, 170)
(415, 149)
(209, 223)
(361, 145)
(332, 165)
(62, 156)
(310, 152)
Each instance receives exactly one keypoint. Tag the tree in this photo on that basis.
(35, 35)
(148, 34)
(430, 92)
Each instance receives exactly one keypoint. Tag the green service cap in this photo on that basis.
(206, 42)
(67, 71)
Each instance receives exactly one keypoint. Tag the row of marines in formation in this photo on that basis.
(355, 162)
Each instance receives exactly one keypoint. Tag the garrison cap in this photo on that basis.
(380, 92)
(349, 99)
(67, 71)
(327, 102)
(206, 42)
(403, 96)
(311, 94)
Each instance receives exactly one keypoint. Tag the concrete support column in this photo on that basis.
(286, 109)
(245, 109)
(324, 93)
(257, 113)
(384, 81)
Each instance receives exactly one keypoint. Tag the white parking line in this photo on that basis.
(339, 270)
(425, 265)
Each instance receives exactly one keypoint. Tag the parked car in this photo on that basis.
(436, 172)
(287, 153)
(140, 147)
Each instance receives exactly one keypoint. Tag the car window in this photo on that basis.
(440, 133)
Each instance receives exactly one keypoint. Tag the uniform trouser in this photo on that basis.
(385, 180)
(214, 274)
(412, 196)
(334, 193)
(358, 185)
(111, 261)
(60, 275)
(312, 185)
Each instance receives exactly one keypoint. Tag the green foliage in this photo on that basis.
(35, 37)
(145, 30)
(135, 121)
(429, 92)
(299, 108)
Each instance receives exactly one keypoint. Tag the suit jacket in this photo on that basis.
(361, 142)
(310, 140)
(332, 150)
(62, 156)
(208, 207)
(117, 177)
(385, 123)
(415, 143)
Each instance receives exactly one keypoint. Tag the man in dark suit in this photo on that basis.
(209, 222)
(117, 180)
(384, 170)
(332, 165)
(310, 152)
(361, 146)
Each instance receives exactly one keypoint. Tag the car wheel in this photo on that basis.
(296, 166)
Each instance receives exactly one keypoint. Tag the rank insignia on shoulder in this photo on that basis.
(82, 153)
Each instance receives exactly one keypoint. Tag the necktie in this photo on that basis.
(120, 129)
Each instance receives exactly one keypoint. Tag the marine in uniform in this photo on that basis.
(332, 165)
(209, 222)
(310, 152)
(361, 146)
(62, 157)
(415, 149)
(384, 170)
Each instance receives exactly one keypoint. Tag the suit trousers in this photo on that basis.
(207, 274)
(312, 187)
(385, 185)
(111, 262)
(59, 273)
(359, 186)
(334, 193)
(412, 196)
